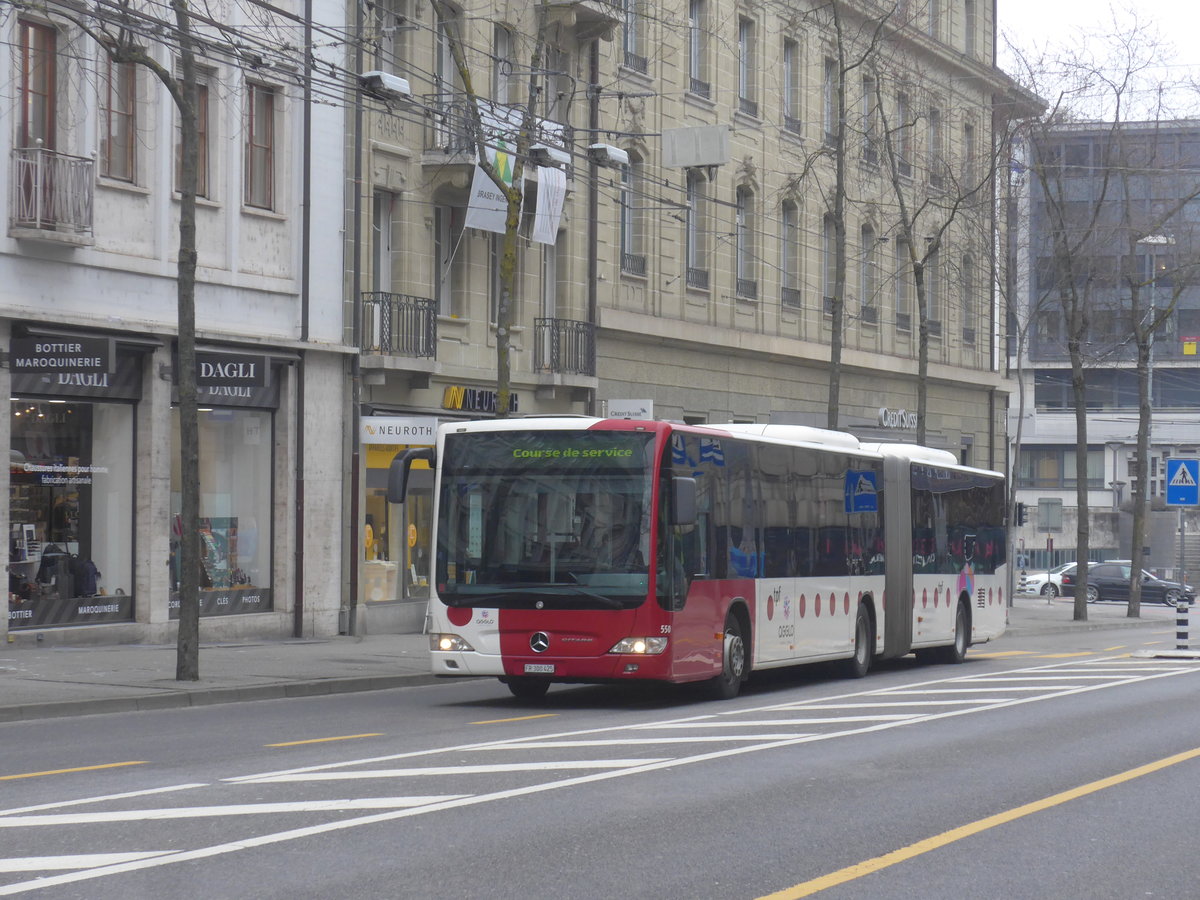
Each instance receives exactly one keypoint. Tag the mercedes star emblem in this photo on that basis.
(540, 642)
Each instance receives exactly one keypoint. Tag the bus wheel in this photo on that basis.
(956, 652)
(524, 688)
(864, 645)
(733, 665)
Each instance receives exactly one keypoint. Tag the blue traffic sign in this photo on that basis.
(1183, 482)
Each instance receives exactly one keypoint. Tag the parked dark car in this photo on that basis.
(1110, 581)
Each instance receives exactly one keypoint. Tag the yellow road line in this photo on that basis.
(344, 737)
(870, 866)
(517, 719)
(1000, 654)
(139, 762)
(1067, 655)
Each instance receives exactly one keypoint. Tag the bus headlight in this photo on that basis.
(645, 646)
(449, 643)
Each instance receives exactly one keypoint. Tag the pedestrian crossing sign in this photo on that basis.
(1183, 482)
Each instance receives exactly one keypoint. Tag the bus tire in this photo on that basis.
(734, 666)
(525, 688)
(864, 644)
(956, 652)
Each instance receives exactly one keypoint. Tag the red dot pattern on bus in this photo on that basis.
(459, 615)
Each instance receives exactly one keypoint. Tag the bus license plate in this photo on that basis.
(539, 668)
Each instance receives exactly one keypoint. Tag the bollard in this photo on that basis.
(1182, 608)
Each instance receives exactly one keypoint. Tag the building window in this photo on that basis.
(933, 292)
(502, 64)
(828, 262)
(71, 489)
(933, 22)
(202, 142)
(633, 36)
(382, 206)
(118, 111)
(967, 283)
(969, 26)
(791, 85)
(870, 121)
(695, 239)
(38, 86)
(447, 235)
(789, 251)
(903, 282)
(747, 63)
(904, 127)
(559, 85)
(1055, 468)
(392, 27)
(698, 48)
(936, 148)
(829, 100)
(868, 275)
(747, 285)
(633, 253)
(260, 146)
(969, 157)
(235, 534)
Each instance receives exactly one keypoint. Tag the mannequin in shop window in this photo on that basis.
(369, 538)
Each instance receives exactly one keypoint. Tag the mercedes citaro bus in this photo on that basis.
(575, 549)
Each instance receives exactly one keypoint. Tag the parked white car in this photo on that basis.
(1048, 584)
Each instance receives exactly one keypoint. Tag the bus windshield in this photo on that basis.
(554, 519)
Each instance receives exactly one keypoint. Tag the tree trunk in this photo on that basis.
(187, 662)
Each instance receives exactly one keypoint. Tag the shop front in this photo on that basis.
(71, 480)
(238, 396)
(396, 538)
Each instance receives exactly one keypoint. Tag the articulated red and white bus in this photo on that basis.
(599, 550)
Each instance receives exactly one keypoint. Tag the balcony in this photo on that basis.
(747, 289)
(633, 264)
(51, 196)
(399, 325)
(590, 18)
(449, 126)
(564, 347)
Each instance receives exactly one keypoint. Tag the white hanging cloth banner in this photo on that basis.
(552, 192)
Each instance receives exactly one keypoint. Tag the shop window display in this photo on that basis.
(234, 533)
(70, 513)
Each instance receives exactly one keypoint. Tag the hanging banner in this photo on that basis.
(488, 207)
(552, 191)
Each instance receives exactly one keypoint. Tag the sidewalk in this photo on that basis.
(45, 682)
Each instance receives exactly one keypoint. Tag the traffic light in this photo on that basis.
(1022, 514)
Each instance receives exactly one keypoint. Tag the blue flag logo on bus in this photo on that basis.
(861, 493)
(711, 452)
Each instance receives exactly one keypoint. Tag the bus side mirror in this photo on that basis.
(397, 486)
(683, 501)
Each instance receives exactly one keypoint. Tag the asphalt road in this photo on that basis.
(1057, 766)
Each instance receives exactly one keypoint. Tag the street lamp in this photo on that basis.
(1153, 241)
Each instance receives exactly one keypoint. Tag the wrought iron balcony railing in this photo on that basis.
(564, 347)
(51, 191)
(399, 325)
(449, 125)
